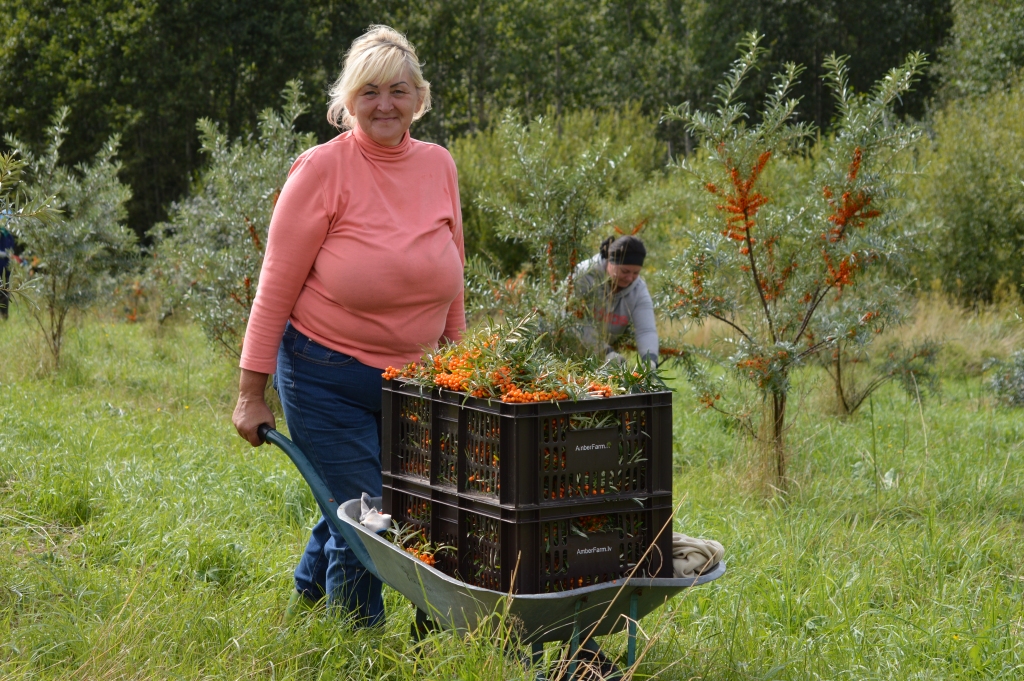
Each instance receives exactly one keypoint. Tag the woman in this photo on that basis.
(617, 297)
(364, 267)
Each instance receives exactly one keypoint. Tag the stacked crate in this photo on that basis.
(534, 497)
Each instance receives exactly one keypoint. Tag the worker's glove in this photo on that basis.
(614, 358)
(370, 517)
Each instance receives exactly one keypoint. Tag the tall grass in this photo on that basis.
(140, 538)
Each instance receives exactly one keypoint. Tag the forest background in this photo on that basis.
(149, 70)
(938, 503)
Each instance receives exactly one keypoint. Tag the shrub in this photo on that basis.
(208, 256)
(773, 266)
(16, 208)
(910, 366)
(486, 161)
(972, 197)
(75, 257)
(1008, 381)
(550, 201)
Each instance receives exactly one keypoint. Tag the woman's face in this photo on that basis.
(384, 110)
(623, 275)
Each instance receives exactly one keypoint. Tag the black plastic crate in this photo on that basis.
(556, 548)
(527, 455)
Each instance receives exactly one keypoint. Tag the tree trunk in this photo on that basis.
(778, 443)
(842, 406)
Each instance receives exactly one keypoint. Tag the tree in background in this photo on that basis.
(16, 208)
(767, 265)
(75, 257)
(972, 196)
(208, 256)
(149, 69)
(539, 55)
(985, 51)
(486, 160)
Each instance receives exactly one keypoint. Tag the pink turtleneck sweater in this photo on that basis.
(365, 254)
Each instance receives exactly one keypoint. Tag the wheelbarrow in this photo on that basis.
(574, 616)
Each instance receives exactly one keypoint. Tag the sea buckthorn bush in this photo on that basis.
(511, 362)
(784, 265)
(82, 246)
(551, 199)
(1007, 382)
(207, 257)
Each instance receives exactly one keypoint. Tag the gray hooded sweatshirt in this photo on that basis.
(613, 312)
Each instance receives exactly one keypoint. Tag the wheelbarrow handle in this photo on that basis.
(322, 494)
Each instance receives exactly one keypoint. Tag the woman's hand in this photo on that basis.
(252, 411)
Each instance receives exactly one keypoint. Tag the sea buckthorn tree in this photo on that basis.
(772, 267)
(856, 368)
(208, 255)
(18, 208)
(552, 201)
(81, 246)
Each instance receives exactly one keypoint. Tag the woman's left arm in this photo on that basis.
(644, 326)
(455, 324)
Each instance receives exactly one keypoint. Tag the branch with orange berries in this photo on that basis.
(509, 362)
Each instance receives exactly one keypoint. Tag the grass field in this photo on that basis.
(140, 538)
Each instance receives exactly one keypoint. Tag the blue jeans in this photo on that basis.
(332, 403)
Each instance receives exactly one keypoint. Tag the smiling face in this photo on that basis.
(623, 275)
(384, 111)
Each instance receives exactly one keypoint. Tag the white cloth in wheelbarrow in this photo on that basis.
(370, 517)
(692, 557)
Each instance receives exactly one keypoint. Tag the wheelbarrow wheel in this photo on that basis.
(421, 626)
(591, 665)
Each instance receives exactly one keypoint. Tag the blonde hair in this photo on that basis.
(377, 56)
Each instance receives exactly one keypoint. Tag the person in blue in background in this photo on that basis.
(6, 253)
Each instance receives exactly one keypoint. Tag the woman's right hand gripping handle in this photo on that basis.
(252, 411)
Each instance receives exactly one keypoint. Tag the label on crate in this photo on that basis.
(597, 554)
(597, 447)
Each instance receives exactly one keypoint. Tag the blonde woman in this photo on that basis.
(364, 267)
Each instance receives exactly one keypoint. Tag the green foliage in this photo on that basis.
(776, 267)
(549, 190)
(208, 256)
(972, 197)
(16, 205)
(985, 50)
(75, 258)
(492, 163)
(150, 69)
(1007, 383)
(543, 58)
(549, 204)
(171, 554)
(538, 55)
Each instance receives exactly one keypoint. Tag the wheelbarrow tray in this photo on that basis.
(597, 610)
(453, 604)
